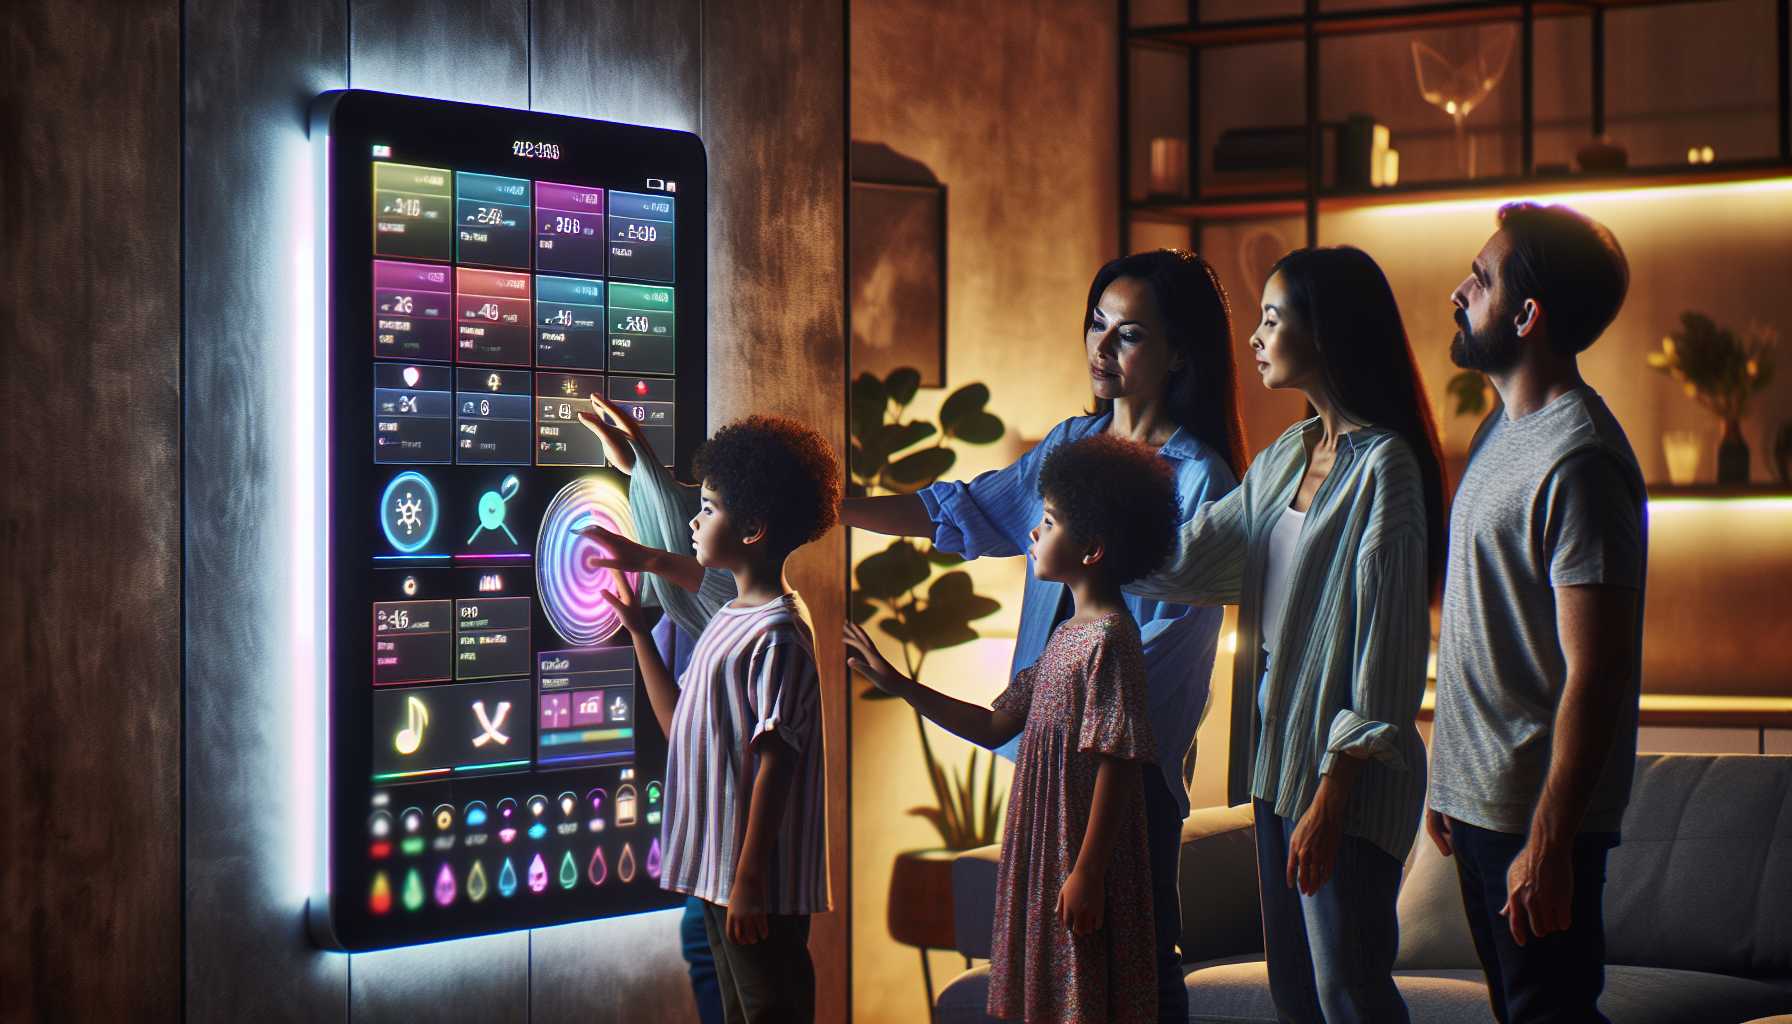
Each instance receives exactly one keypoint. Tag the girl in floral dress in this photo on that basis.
(1073, 937)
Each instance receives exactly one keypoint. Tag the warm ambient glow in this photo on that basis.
(1765, 504)
(1564, 191)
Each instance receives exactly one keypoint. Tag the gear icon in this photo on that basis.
(409, 510)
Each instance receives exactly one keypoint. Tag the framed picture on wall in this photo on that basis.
(898, 272)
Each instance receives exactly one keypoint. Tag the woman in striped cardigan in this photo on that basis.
(1331, 546)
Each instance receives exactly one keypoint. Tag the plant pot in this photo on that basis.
(1732, 455)
(921, 899)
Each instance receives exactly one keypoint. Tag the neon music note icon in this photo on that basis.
(410, 737)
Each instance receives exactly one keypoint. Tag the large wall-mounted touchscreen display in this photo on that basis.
(485, 272)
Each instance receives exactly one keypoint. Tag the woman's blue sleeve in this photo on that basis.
(992, 514)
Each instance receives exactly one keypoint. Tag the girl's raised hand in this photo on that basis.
(615, 429)
(863, 657)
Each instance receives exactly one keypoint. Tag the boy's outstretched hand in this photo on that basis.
(863, 657)
(626, 603)
(623, 553)
(615, 429)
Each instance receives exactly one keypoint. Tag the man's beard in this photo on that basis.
(1494, 350)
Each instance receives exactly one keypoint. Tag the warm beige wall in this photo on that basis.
(1014, 113)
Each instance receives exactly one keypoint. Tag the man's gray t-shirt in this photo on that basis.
(1552, 499)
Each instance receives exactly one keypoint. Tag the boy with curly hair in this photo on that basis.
(745, 828)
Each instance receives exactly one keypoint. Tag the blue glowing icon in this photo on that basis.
(408, 512)
(492, 506)
(476, 814)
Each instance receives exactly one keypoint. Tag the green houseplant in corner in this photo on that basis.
(921, 599)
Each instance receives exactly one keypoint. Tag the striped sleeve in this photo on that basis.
(785, 692)
(991, 514)
(1393, 623)
(1208, 567)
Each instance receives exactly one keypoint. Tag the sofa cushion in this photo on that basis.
(1434, 931)
(1218, 876)
(1239, 993)
(1700, 881)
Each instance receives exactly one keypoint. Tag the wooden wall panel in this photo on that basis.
(635, 61)
(253, 778)
(477, 52)
(774, 81)
(90, 527)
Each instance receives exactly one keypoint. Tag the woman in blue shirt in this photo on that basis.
(1157, 333)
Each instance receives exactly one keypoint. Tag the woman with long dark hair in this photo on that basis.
(1157, 334)
(1331, 547)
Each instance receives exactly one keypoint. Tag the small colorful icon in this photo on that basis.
(595, 801)
(625, 865)
(537, 831)
(569, 871)
(507, 880)
(476, 815)
(444, 817)
(619, 709)
(538, 806)
(492, 507)
(410, 586)
(408, 512)
(476, 882)
(413, 820)
(408, 739)
(556, 710)
(588, 707)
(625, 807)
(445, 888)
(653, 792)
(653, 860)
(491, 725)
(598, 870)
(411, 376)
(379, 900)
(379, 824)
(568, 804)
(538, 875)
(413, 891)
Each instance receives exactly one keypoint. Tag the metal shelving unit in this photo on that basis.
(1314, 25)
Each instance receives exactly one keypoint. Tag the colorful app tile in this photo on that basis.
(413, 311)
(643, 329)
(493, 417)
(413, 418)
(492, 220)
(569, 229)
(492, 317)
(641, 237)
(569, 323)
(560, 439)
(412, 212)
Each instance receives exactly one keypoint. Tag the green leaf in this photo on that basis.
(869, 402)
(892, 572)
(979, 428)
(938, 557)
(893, 437)
(913, 472)
(932, 630)
(961, 403)
(859, 609)
(866, 462)
(1469, 389)
(955, 593)
(902, 383)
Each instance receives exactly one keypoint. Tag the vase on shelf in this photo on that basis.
(1457, 87)
(1682, 449)
(1732, 454)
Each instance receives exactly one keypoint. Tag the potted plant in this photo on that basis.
(1721, 370)
(921, 600)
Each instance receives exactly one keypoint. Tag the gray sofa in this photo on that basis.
(1698, 909)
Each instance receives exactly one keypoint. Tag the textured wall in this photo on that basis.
(775, 137)
(1016, 115)
(90, 532)
(774, 78)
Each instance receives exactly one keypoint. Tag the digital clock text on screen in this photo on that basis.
(535, 150)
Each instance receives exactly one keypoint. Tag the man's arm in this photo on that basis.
(1597, 627)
